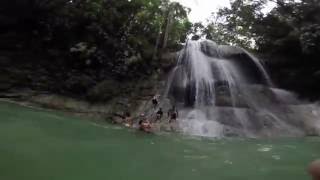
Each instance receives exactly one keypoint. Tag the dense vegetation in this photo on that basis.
(291, 24)
(81, 44)
(80, 47)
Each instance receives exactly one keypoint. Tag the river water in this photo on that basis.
(38, 145)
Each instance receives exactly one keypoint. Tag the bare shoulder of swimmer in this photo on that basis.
(314, 169)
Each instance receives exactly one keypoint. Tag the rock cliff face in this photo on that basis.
(296, 73)
(233, 94)
(26, 78)
(225, 91)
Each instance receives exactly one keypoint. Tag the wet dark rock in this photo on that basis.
(223, 101)
(227, 117)
(230, 132)
(54, 52)
(222, 94)
(5, 86)
(210, 48)
(267, 123)
(312, 132)
(168, 61)
(104, 91)
(79, 84)
(123, 102)
(195, 37)
(118, 114)
(5, 82)
(317, 75)
(189, 94)
(4, 61)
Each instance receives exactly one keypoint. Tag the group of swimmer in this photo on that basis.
(172, 113)
(145, 123)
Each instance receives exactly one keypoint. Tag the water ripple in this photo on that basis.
(265, 148)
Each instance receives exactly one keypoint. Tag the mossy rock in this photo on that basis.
(104, 91)
(79, 83)
(5, 82)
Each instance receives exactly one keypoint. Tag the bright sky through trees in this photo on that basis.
(202, 9)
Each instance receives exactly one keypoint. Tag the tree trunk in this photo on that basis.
(155, 51)
(166, 32)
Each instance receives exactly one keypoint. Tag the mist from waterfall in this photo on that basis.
(226, 91)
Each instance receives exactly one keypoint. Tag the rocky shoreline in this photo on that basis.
(98, 113)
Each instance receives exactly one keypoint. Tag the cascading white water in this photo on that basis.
(200, 74)
(225, 91)
(260, 67)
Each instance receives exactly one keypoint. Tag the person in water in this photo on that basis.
(314, 169)
(155, 101)
(173, 114)
(145, 125)
(141, 119)
(128, 120)
(159, 114)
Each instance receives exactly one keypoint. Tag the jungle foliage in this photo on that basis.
(291, 26)
(111, 37)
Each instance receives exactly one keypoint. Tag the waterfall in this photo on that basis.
(226, 91)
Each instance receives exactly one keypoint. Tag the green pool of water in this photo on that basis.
(41, 145)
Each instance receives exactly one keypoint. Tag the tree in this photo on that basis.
(113, 35)
(290, 26)
(176, 18)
